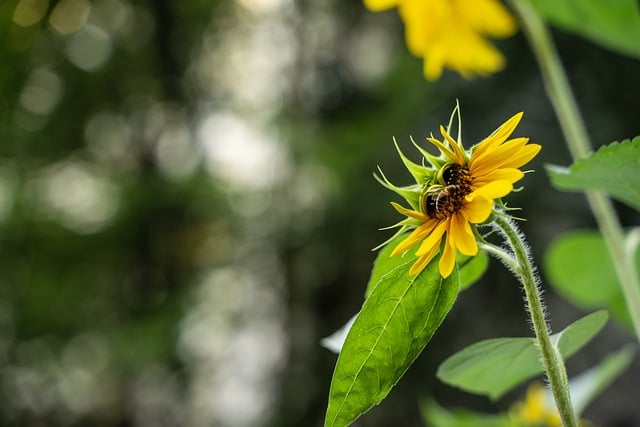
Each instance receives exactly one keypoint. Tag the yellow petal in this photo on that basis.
(410, 213)
(423, 261)
(416, 235)
(498, 136)
(495, 156)
(378, 5)
(499, 157)
(414, 14)
(493, 190)
(488, 16)
(523, 156)
(443, 149)
(462, 236)
(433, 240)
(478, 210)
(459, 155)
(468, 52)
(508, 174)
(432, 67)
(447, 260)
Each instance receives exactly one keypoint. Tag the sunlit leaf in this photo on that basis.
(579, 268)
(614, 24)
(614, 169)
(396, 322)
(493, 367)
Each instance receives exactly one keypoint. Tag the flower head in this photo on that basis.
(456, 192)
(453, 33)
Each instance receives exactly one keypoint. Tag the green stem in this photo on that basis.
(563, 101)
(551, 358)
(499, 253)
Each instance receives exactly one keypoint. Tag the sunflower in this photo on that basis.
(453, 33)
(458, 191)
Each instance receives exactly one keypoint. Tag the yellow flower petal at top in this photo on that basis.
(377, 5)
(453, 33)
(460, 194)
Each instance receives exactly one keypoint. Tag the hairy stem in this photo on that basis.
(551, 358)
(563, 101)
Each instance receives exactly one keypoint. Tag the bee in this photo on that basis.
(456, 175)
(442, 201)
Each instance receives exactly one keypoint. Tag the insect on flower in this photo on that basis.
(456, 192)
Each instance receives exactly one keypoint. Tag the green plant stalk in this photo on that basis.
(551, 358)
(563, 101)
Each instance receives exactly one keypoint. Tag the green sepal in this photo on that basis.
(435, 161)
(410, 193)
(422, 174)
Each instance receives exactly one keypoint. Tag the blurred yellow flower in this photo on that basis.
(536, 410)
(459, 191)
(453, 33)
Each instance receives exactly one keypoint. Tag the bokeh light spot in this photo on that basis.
(239, 154)
(30, 12)
(77, 196)
(176, 154)
(68, 16)
(89, 48)
(41, 92)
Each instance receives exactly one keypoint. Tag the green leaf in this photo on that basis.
(614, 24)
(614, 169)
(435, 415)
(471, 270)
(493, 367)
(579, 268)
(396, 322)
(579, 333)
(589, 384)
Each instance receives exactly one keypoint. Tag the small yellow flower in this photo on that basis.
(459, 192)
(536, 410)
(453, 33)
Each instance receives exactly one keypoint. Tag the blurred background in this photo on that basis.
(187, 206)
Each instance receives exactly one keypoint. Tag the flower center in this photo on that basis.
(443, 201)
